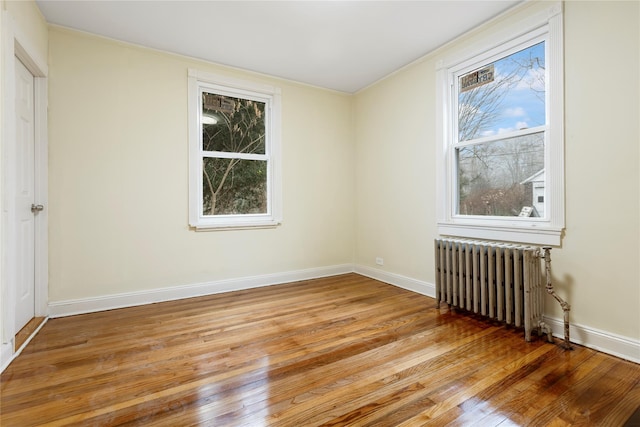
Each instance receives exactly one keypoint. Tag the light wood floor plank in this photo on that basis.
(338, 351)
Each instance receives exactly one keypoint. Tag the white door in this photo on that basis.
(24, 194)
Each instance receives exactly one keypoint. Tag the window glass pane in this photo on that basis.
(232, 124)
(500, 178)
(504, 96)
(234, 186)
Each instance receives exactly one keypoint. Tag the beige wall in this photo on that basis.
(600, 258)
(597, 266)
(29, 24)
(394, 173)
(118, 176)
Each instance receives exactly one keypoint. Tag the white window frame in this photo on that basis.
(200, 82)
(545, 25)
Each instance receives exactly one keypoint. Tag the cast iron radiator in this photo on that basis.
(500, 281)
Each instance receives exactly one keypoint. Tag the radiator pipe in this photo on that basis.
(565, 305)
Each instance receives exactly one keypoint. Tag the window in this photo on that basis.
(234, 139)
(500, 161)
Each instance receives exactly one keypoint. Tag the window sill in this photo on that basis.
(235, 226)
(543, 236)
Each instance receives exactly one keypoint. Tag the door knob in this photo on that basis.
(36, 208)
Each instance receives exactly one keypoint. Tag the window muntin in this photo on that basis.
(542, 222)
(234, 153)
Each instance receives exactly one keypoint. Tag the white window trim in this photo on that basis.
(547, 231)
(198, 80)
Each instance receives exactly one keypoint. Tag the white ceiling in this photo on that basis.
(340, 45)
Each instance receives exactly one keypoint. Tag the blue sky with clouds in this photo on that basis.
(523, 104)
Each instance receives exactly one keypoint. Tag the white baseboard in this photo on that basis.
(130, 299)
(606, 342)
(403, 282)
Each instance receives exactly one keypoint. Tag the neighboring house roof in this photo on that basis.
(536, 177)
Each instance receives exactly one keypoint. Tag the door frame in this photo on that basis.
(16, 45)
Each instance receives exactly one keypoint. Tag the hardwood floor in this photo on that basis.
(338, 351)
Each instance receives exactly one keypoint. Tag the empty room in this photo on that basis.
(305, 213)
